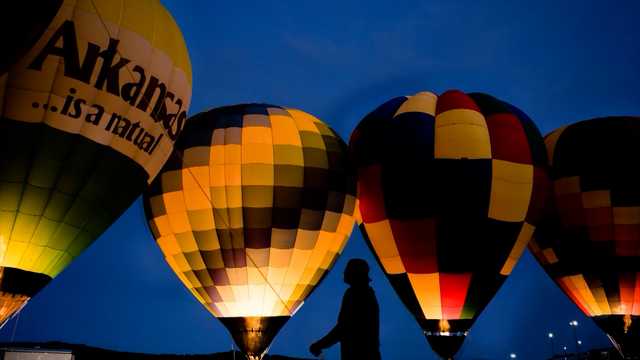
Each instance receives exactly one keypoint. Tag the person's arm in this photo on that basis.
(335, 334)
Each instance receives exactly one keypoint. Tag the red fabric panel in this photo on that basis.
(627, 285)
(601, 233)
(370, 194)
(416, 242)
(455, 99)
(570, 209)
(453, 292)
(508, 139)
(627, 239)
(598, 216)
(636, 296)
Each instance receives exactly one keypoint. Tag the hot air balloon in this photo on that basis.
(251, 211)
(23, 23)
(448, 191)
(589, 243)
(88, 117)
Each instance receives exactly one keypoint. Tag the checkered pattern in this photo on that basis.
(590, 242)
(253, 208)
(448, 191)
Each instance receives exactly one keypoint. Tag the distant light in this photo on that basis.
(573, 323)
(579, 342)
(550, 335)
(564, 348)
(512, 356)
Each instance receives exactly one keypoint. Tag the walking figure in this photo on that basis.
(358, 324)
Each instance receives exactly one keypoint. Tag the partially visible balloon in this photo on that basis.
(88, 116)
(22, 23)
(590, 242)
(449, 192)
(251, 211)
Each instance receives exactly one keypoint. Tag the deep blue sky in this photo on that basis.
(559, 61)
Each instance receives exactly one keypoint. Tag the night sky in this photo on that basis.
(559, 61)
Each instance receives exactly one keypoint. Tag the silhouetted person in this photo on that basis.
(358, 324)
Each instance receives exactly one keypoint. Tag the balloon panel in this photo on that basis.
(115, 72)
(590, 245)
(253, 208)
(87, 117)
(58, 193)
(448, 190)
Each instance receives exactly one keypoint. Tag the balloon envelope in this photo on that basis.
(448, 191)
(88, 116)
(251, 211)
(589, 243)
(21, 25)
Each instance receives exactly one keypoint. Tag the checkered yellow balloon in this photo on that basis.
(251, 211)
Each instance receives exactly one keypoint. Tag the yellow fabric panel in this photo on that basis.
(62, 262)
(423, 102)
(584, 293)
(550, 143)
(46, 258)
(174, 202)
(191, 277)
(596, 199)
(232, 175)
(288, 155)
(187, 242)
(30, 256)
(461, 133)
(160, 29)
(216, 155)
(232, 154)
(277, 271)
(427, 290)
(179, 222)
(284, 131)
(257, 174)
(195, 197)
(511, 188)
(521, 243)
(254, 275)
(384, 244)
(162, 224)
(626, 215)
(256, 135)
(209, 241)
(601, 299)
(182, 264)
(14, 253)
(201, 220)
(257, 153)
(304, 121)
(169, 245)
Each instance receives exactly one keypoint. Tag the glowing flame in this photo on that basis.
(627, 322)
(444, 326)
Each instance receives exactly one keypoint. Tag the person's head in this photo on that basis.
(356, 272)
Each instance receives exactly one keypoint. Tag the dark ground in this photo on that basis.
(84, 352)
